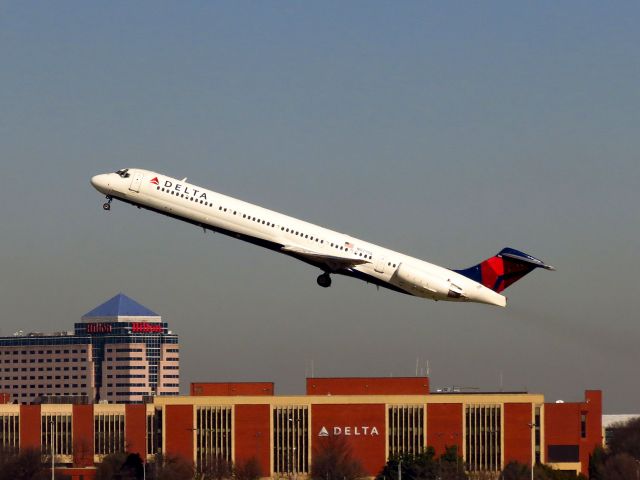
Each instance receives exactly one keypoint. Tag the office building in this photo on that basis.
(120, 352)
(378, 417)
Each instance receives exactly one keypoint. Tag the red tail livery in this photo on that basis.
(507, 267)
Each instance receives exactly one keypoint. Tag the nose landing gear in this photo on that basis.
(107, 205)
(324, 280)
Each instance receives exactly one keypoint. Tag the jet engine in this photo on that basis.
(426, 284)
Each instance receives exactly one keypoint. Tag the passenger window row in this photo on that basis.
(263, 222)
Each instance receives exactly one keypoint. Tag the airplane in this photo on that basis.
(330, 251)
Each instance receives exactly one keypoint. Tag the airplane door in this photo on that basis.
(379, 265)
(135, 182)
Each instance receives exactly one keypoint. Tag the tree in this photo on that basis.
(333, 459)
(216, 467)
(520, 471)
(516, 471)
(82, 452)
(425, 465)
(26, 465)
(626, 438)
(170, 467)
(422, 465)
(621, 466)
(622, 459)
(133, 466)
(111, 467)
(545, 472)
(596, 463)
(451, 465)
(248, 470)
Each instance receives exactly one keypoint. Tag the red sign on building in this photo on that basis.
(98, 328)
(141, 327)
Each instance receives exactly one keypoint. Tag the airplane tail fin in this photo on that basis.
(507, 267)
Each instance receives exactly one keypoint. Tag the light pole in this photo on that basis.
(400, 469)
(295, 469)
(532, 425)
(53, 449)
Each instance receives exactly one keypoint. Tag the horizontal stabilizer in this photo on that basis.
(523, 257)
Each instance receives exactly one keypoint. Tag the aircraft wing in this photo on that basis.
(334, 262)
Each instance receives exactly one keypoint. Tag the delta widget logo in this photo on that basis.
(155, 181)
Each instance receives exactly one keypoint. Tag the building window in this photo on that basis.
(56, 434)
(406, 430)
(563, 453)
(10, 433)
(154, 432)
(290, 440)
(537, 434)
(482, 439)
(583, 425)
(213, 436)
(108, 434)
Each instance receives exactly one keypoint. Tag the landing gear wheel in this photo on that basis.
(106, 206)
(324, 280)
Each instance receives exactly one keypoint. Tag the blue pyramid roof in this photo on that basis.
(121, 306)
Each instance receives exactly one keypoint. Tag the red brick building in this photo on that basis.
(379, 417)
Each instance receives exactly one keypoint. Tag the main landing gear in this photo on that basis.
(324, 280)
(107, 205)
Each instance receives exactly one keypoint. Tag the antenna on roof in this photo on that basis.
(309, 369)
(422, 367)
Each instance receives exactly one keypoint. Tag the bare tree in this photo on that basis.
(626, 438)
(333, 460)
(26, 465)
(621, 466)
(82, 453)
(484, 475)
(516, 471)
(622, 459)
(110, 466)
(248, 470)
(170, 467)
(451, 465)
(215, 467)
(519, 471)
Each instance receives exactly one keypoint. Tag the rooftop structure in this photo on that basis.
(120, 309)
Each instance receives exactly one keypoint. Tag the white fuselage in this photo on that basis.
(329, 250)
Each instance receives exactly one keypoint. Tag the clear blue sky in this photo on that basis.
(445, 130)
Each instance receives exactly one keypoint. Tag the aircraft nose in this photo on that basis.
(100, 182)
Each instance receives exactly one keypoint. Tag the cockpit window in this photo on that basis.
(123, 173)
